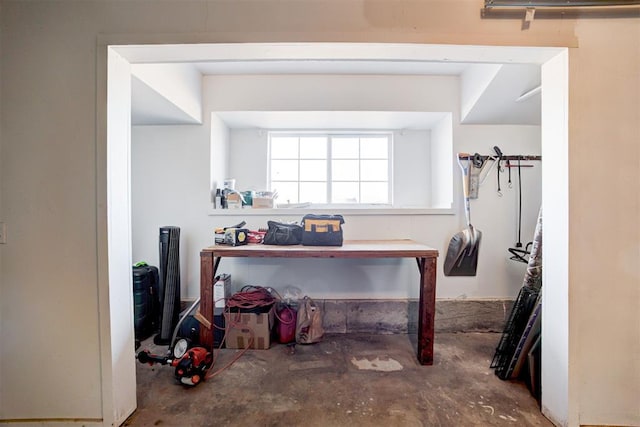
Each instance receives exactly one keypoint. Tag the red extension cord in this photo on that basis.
(248, 298)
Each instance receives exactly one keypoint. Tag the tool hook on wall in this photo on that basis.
(478, 163)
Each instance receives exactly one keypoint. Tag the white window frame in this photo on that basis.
(329, 134)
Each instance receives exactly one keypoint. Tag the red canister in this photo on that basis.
(287, 317)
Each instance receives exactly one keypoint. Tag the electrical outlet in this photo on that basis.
(3, 233)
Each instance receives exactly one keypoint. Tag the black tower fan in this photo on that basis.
(169, 282)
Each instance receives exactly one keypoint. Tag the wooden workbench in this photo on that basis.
(425, 256)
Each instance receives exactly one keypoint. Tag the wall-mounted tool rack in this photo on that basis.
(510, 158)
(477, 162)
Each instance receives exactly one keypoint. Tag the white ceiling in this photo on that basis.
(330, 67)
(496, 105)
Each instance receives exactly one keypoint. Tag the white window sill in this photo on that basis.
(336, 210)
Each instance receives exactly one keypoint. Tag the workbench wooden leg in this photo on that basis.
(426, 310)
(207, 262)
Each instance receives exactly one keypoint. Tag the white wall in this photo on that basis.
(219, 144)
(186, 147)
(386, 93)
(604, 232)
(249, 157)
(330, 93)
(50, 197)
(555, 351)
(119, 395)
(180, 84)
(411, 173)
(248, 154)
(49, 265)
(2, 218)
(474, 81)
(441, 139)
(170, 186)
(497, 277)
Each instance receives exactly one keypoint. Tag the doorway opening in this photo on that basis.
(116, 324)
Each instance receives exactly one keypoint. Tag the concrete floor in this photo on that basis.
(328, 384)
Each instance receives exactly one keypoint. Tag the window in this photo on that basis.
(331, 168)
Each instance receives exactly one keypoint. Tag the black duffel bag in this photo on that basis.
(282, 233)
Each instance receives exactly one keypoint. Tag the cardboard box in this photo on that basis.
(262, 202)
(221, 290)
(234, 201)
(241, 327)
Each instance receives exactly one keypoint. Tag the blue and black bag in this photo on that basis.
(322, 230)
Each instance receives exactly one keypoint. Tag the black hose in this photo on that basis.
(519, 244)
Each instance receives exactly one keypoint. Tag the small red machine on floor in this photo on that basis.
(191, 363)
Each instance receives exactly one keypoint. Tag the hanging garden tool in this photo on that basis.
(462, 254)
(477, 164)
(477, 173)
(518, 253)
(499, 169)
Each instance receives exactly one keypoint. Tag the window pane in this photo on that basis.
(344, 192)
(313, 147)
(313, 170)
(345, 147)
(284, 147)
(374, 170)
(374, 148)
(284, 170)
(374, 192)
(315, 192)
(359, 171)
(287, 192)
(345, 170)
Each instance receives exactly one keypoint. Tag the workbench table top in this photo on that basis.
(397, 248)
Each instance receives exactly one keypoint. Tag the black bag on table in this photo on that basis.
(322, 230)
(280, 233)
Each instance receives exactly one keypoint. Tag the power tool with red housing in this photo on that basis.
(191, 363)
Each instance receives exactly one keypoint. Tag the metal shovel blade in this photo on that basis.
(462, 254)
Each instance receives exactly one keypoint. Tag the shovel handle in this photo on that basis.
(465, 188)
